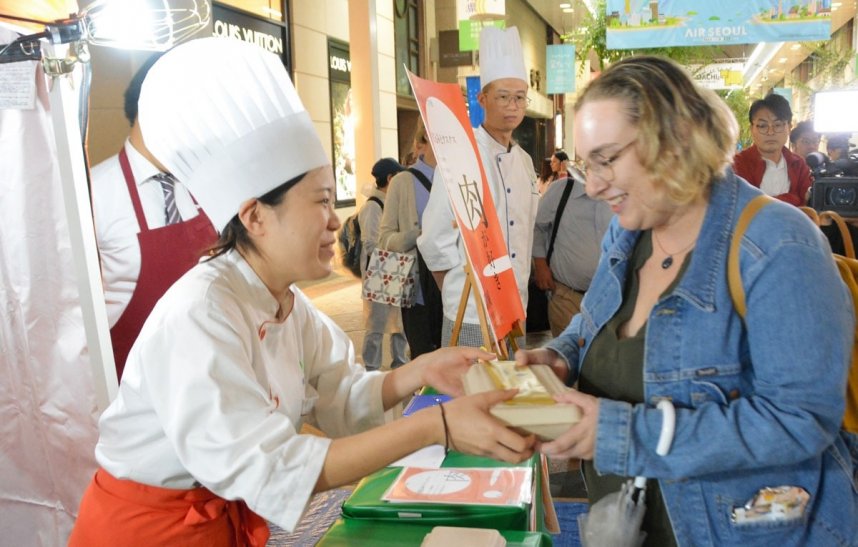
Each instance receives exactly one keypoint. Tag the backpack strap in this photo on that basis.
(820, 218)
(848, 248)
(422, 178)
(567, 190)
(734, 275)
(375, 199)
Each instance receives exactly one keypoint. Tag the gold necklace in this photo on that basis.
(668, 262)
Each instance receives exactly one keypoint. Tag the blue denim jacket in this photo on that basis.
(755, 407)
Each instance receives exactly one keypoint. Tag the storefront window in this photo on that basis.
(406, 23)
(272, 9)
(342, 121)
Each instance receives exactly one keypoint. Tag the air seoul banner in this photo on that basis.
(635, 24)
(446, 119)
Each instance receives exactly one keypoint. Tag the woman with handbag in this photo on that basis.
(401, 224)
(758, 457)
(380, 314)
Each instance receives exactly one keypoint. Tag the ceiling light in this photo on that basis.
(762, 55)
(137, 24)
(565, 5)
(795, 47)
(782, 60)
(568, 10)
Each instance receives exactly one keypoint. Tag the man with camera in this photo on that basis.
(768, 164)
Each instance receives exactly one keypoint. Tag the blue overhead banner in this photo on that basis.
(560, 63)
(633, 24)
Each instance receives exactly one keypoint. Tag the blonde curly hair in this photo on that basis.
(686, 134)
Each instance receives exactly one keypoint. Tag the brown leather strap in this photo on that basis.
(811, 212)
(844, 231)
(820, 218)
(734, 275)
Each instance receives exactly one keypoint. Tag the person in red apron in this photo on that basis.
(202, 444)
(141, 258)
(166, 253)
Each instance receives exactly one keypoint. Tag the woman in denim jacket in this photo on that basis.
(758, 404)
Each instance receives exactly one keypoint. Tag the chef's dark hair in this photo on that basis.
(234, 235)
(132, 92)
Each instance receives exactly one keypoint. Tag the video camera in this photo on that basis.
(835, 184)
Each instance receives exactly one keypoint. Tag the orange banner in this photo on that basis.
(446, 119)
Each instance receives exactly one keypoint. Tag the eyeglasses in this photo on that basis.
(601, 166)
(775, 127)
(504, 99)
(809, 141)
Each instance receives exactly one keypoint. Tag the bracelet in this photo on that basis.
(446, 429)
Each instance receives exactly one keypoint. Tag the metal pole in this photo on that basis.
(64, 101)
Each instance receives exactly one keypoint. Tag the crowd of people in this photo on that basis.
(630, 242)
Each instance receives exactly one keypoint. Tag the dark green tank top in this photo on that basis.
(613, 369)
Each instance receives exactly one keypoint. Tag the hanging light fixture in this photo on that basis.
(154, 25)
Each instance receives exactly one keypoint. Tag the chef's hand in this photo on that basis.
(579, 441)
(543, 356)
(443, 368)
(473, 430)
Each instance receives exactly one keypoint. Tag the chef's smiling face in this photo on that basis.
(299, 240)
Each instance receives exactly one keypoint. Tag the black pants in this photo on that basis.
(422, 323)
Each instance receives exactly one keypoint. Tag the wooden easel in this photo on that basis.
(501, 349)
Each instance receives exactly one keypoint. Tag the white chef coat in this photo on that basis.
(116, 226)
(215, 391)
(512, 182)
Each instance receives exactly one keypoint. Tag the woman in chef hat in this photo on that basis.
(202, 442)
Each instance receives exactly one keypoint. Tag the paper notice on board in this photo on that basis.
(18, 85)
(462, 485)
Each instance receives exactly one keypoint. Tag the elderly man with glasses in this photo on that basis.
(511, 179)
(768, 164)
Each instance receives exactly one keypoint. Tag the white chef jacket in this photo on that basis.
(116, 226)
(512, 182)
(215, 391)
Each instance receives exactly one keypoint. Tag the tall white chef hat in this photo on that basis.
(224, 118)
(500, 55)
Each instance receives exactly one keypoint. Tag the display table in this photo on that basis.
(369, 520)
(351, 532)
(365, 503)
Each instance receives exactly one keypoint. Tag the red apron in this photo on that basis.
(127, 513)
(166, 253)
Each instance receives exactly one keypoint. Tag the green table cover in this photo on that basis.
(366, 503)
(351, 532)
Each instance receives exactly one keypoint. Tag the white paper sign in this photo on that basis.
(18, 85)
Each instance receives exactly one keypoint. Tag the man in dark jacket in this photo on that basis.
(768, 164)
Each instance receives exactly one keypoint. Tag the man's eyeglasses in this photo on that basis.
(774, 127)
(601, 166)
(809, 141)
(504, 99)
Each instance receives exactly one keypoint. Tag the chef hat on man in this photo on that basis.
(224, 118)
(500, 55)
